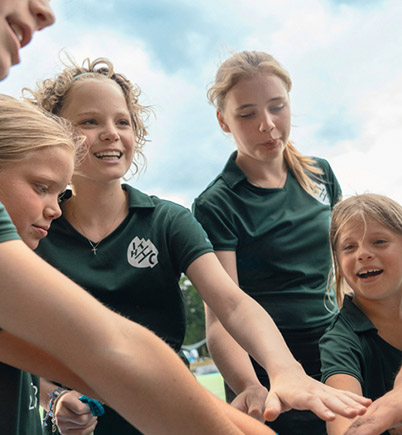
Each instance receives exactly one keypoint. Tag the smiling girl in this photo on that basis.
(128, 249)
(362, 351)
(19, 19)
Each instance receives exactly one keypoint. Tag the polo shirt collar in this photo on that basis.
(136, 198)
(358, 321)
(231, 173)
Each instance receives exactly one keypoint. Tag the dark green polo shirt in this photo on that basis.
(136, 270)
(351, 346)
(19, 391)
(280, 237)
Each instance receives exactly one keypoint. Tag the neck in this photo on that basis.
(270, 174)
(96, 210)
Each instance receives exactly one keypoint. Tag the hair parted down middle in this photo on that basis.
(50, 94)
(380, 208)
(25, 128)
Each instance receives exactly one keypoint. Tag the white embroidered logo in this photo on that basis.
(33, 397)
(321, 194)
(142, 253)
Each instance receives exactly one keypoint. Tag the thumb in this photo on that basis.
(273, 407)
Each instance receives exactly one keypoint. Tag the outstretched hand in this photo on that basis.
(384, 413)
(304, 393)
(73, 416)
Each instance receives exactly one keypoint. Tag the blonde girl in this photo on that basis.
(362, 351)
(128, 249)
(267, 215)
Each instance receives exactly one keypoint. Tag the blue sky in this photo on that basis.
(344, 57)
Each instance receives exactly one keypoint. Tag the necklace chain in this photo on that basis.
(94, 246)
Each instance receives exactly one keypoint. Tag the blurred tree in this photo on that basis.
(195, 313)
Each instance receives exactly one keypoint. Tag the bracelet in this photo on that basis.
(53, 397)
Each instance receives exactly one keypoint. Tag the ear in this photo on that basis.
(222, 122)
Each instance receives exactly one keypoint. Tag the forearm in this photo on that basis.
(261, 339)
(25, 356)
(231, 359)
(125, 364)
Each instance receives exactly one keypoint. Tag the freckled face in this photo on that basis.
(257, 114)
(370, 260)
(29, 191)
(19, 19)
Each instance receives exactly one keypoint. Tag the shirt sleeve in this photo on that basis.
(187, 239)
(215, 219)
(7, 228)
(340, 354)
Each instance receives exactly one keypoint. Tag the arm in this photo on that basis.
(25, 356)
(240, 376)
(384, 413)
(342, 382)
(290, 386)
(123, 362)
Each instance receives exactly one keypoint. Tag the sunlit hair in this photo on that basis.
(51, 95)
(245, 65)
(25, 128)
(359, 208)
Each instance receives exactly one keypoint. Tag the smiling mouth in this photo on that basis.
(109, 155)
(370, 273)
(18, 32)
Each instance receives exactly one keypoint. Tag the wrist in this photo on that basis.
(54, 396)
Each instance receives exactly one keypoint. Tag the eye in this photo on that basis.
(380, 242)
(277, 108)
(42, 189)
(88, 122)
(247, 115)
(124, 122)
(349, 247)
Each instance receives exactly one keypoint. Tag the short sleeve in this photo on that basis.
(215, 219)
(7, 228)
(186, 238)
(340, 354)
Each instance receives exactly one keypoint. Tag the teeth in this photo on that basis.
(108, 155)
(369, 273)
(18, 32)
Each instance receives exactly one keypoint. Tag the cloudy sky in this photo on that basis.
(344, 57)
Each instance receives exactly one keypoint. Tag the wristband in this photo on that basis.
(94, 405)
(53, 397)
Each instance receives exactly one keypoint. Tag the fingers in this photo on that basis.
(252, 402)
(73, 416)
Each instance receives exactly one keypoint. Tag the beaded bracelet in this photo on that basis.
(58, 392)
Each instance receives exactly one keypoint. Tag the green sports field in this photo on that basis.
(214, 383)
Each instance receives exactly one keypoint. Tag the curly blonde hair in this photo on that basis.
(25, 129)
(245, 65)
(50, 94)
(382, 209)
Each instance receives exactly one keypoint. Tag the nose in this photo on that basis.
(109, 133)
(364, 253)
(266, 123)
(42, 13)
(52, 210)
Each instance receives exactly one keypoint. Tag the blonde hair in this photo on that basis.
(25, 128)
(51, 94)
(245, 65)
(382, 209)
